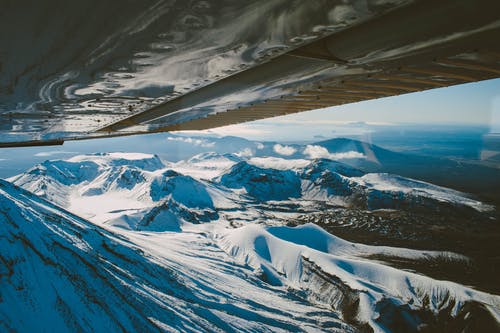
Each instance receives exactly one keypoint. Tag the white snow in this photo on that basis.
(68, 274)
(201, 274)
(388, 182)
(280, 252)
(102, 208)
(205, 166)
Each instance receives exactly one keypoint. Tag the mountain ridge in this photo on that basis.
(209, 236)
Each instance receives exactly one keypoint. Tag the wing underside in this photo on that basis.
(89, 70)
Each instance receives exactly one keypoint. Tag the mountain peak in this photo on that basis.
(149, 162)
(261, 183)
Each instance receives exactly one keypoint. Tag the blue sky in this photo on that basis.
(475, 103)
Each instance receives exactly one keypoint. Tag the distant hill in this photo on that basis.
(480, 180)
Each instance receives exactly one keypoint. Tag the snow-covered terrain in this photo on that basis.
(122, 189)
(201, 245)
(61, 273)
(298, 255)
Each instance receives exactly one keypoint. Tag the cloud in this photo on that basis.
(247, 152)
(313, 151)
(278, 163)
(328, 122)
(284, 150)
(193, 141)
(233, 130)
(53, 153)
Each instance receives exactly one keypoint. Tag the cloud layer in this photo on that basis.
(284, 150)
(313, 151)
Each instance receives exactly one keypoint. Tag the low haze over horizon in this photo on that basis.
(474, 104)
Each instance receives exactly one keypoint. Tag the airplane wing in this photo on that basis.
(72, 70)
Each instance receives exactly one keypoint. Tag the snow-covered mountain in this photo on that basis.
(62, 273)
(127, 190)
(132, 190)
(202, 245)
(120, 189)
(330, 272)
